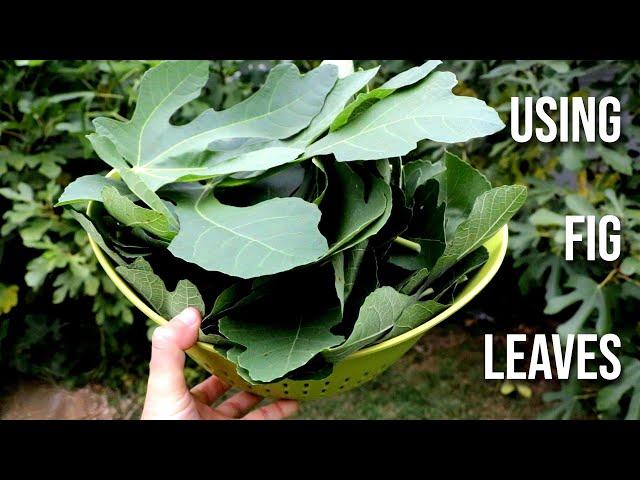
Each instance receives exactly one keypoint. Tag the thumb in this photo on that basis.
(167, 384)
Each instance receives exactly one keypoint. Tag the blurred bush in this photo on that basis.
(61, 318)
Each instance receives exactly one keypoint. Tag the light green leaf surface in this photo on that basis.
(460, 184)
(232, 355)
(335, 101)
(280, 345)
(413, 316)
(168, 304)
(393, 126)
(411, 284)
(377, 315)
(132, 215)
(90, 187)
(490, 212)
(285, 105)
(257, 160)
(106, 150)
(341, 93)
(269, 237)
(366, 100)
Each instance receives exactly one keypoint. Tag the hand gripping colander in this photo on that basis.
(355, 369)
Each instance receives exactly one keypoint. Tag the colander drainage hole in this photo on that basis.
(268, 390)
(324, 390)
(306, 392)
(327, 383)
(366, 373)
(306, 385)
(346, 380)
(341, 387)
(286, 392)
(285, 385)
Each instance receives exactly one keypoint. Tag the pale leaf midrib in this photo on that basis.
(164, 153)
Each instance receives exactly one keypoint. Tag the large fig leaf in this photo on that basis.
(377, 315)
(156, 149)
(287, 150)
(269, 237)
(275, 346)
(366, 100)
(393, 126)
(140, 276)
(490, 212)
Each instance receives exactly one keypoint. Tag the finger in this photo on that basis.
(210, 390)
(274, 411)
(238, 405)
(166, 369)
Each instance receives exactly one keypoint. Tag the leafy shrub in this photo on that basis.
(61, 318)
(579, 179)
(571, 179)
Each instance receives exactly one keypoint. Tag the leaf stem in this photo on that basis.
(628, 279)
(608, 278)
(408, 244)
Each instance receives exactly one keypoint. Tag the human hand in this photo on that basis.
(169, 398)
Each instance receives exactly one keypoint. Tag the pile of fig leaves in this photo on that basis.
(292, 220)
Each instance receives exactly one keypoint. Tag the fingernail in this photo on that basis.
(188, 317)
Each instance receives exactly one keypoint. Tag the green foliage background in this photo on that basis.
(62, 319)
